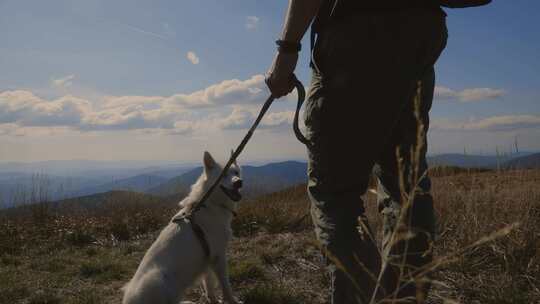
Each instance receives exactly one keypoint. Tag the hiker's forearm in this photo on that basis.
(280, 77)
(299, 15)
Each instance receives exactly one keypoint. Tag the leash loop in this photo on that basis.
(301, 98)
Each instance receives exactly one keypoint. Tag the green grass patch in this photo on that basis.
(10, 260)
(50, 264)
(91, 296)
(79, 238)
(272, 294)
(102, 270)
(44, 297)
(11, 294)
(246, 270)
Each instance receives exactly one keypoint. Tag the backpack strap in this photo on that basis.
(326, 12)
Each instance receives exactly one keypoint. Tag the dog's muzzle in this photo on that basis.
(233, 194)
(237, 184)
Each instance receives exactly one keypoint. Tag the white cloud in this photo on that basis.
(192, 57)
(468, 95)
(182, 128)
(25, 108)
(278, 119)
(8, 129)
(238, 119)
(480, 94)
(242, 118)
(177, 114)
(444, 92)
(495, 123)
(143, 31)
(252, 22)
(230, 104)
(227, 92)
(63, 82)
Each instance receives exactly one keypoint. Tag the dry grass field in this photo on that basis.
(78, 255)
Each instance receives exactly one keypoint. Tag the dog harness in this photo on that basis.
(199, 232)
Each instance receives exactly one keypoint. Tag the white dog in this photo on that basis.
(186, 250)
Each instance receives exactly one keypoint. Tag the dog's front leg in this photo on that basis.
(209, 286)
(222, 273)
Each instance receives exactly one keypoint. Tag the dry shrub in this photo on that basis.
(441, 171)
(119, 216)
(282, 211)
(506, 270)
(249, 269)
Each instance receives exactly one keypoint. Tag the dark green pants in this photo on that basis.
(360, 111)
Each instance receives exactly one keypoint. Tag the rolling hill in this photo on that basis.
(56, 180)
(87, 203)
(257, 179)
(139, 183)
(525, 162)
(472, 161)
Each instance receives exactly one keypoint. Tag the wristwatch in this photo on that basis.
(288, 46)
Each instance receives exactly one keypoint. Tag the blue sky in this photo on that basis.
(113, 80)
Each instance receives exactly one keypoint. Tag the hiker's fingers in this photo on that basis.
(280, 78)
(279, 87)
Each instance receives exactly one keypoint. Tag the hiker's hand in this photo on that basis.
(280, 79)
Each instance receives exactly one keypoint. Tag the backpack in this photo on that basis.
(336, 9)
(330, 8)
(463, 3)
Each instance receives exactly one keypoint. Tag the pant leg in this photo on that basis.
(337, 179)
(404, 259)
(366, 71)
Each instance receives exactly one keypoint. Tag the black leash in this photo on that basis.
(301, 97)
(188, 218)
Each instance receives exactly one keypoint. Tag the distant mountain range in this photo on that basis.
(139, 183)
(257, 180)
(20, 188)
(525, 162)
(474, 161)
(20, 182)
(23, 186)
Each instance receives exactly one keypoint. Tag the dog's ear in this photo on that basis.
(208, 161)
